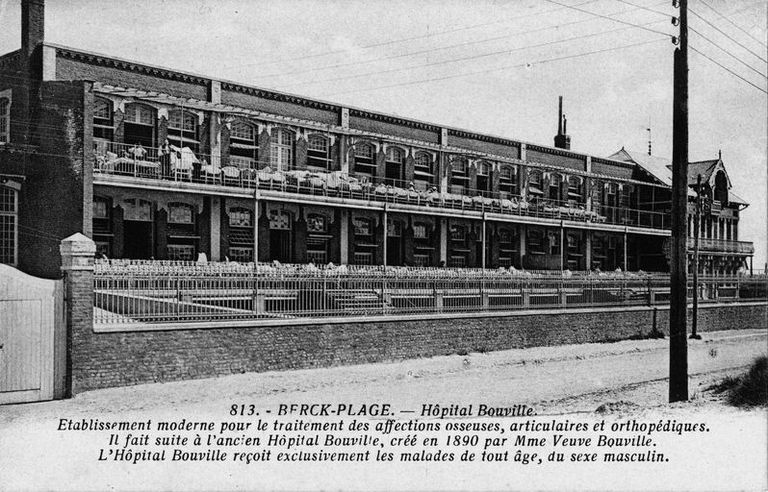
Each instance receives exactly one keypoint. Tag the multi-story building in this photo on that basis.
(158, 163)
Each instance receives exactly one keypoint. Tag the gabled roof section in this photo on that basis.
(657, 167)
(708, 170)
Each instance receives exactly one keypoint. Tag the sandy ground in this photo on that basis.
(567, 381)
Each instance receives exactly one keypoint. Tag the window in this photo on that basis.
(5, 119)
(181, 252)
(508, 181)
(365, 159)
(535, 241)
(281, 149)
(317, 224)
(102, 225)
(394, 228)
(280, 220)
(103, 122)
(484, 177)
(237, 253)
(318, 152)
(611, 190)
(362, 227)
(507, 246)
(243, 145)
(575, 189)
(627, 196)
(422, 230)
(459, 176)
(180, 213)
(240, 217)
(183, 130)
(535, 184)
(139, 125)
(423, 172)
(458, 232)
(9, 209)
(395, 164)
(555, 181)
(138, 210)
(554, 242)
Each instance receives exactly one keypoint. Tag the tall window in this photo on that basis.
(139, 125)
(183, 130)
(508, 181)
(182, 240)
(535, 241)
(484, 177)
(318, 152)
(240, 234)
(5, 119)
(395, 165)
(611, 191)
(365, 161)
(364, 240)
(103, 122)
(9, 209)
(243, 145)
(555, 181)
(459, 176)
(535, 184)
(281, 149)
(317, 238)
(507, 246)
(575, 189)
(102, 225)
(423, 171)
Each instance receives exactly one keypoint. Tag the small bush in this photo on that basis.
(751, 389)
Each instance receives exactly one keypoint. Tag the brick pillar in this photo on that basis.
(443, 245)
(214, 218)
(344, 237)
(77, 255)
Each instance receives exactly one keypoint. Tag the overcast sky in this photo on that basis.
(485, 65)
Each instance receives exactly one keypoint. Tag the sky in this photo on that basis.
(485, 65)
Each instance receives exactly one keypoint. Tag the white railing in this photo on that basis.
(151, 292)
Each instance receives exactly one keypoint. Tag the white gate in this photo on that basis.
(32, 337)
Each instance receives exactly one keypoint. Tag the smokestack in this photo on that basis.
(562, 139)
(32, 25)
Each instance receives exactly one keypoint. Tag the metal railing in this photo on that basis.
(707, 245)
(131, 293)
(185, 166)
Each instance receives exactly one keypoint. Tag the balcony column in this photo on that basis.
(344, 237)
(384, 222)
(443, 240)
(588, 250)
(215, 221)
(521, 242)
(483, 256)
(562, 251)
(214, 96)
(625, 250)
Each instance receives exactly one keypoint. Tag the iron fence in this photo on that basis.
(157, 292)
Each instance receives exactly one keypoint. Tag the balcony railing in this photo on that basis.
(709, 245)
(185, 166)
(135, 293)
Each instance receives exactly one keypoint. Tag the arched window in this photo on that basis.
(280, 220)
(507, 246)
(395, 165)
(535, 184)
(721, 188)
(394, 228)
(183, 129)
(555, 182)
(611, 192)
(318, 152)
(240, 234)
(365, 161)
(103, 120)
(137, 209)
(281, 149)
(508, 181)
(459, 176)
(484, 177)
(9, 223)
(139, 125)
(458, 232)
(102, 225)
(180, 213)
(422, 230)
(363, 227)
(423, 165)
(243, 145)
(575, 189)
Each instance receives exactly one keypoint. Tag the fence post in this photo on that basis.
(77, 264)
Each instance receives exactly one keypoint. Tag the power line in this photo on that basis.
(478, 72)
(402, 40)
(726, 35)
(439, 48)
(472, 57)
(726, 19)
(729, 70)
(728, 53)
(573, 7)
(646, 8)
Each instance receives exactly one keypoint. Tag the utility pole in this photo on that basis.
(696, 231)
(678, 312)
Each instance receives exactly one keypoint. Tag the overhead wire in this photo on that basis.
(728, 53)
(604, 16)
(729, 70)
(724, 34)
(726, 19)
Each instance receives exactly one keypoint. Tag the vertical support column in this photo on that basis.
(588, 250)
(384, 222)
(344, 141)
(344, 237)
(521, 248)
(523, 151)
(77, 256)
(256, 215)
(484, 255)
(562, 250)
(214, 96)
(444, 240)
(215, 221)
(625, 250)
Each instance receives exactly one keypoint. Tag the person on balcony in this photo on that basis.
(165, 159)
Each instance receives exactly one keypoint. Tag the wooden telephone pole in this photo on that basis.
(678, 312)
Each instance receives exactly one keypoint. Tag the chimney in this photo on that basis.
(32, 25)
(562, 139)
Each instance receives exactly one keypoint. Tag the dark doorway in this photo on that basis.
(393, 173)
(280, 245)
(138, 240)
(394, 251)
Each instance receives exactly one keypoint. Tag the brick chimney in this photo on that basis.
(562, 139)
(31, 66)
(32, 25)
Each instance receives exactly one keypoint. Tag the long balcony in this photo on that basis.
(182, 165)
(723, 246)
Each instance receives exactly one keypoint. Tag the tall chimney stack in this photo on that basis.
(32, 25)
(562, 139)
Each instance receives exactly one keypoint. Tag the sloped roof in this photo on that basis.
(705, 168)
(658, 167)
